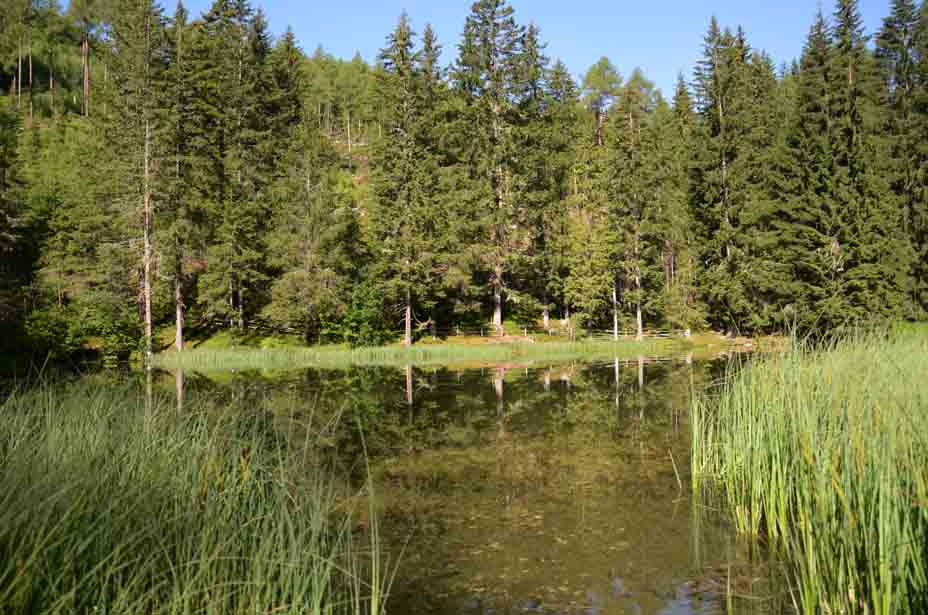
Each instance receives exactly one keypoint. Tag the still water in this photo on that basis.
(532, 489)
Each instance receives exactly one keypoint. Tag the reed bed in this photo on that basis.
(424, 355)
(824, 452)
(109, 505)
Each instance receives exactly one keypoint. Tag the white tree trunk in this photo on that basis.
(178, 307)
(615, 311)
(498, 300)
(407, 336)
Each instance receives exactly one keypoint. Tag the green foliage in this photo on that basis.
(281, 182)
(365, 321)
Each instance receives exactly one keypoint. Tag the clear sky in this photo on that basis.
(661, 37)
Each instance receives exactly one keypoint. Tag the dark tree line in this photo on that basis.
(161, 171)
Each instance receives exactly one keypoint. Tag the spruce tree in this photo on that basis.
(676, 133)
(484, 78)
(561, 134)
(872, 231)
(9, 213)
(134, 129)
(234, 161)
(405, 218)
(897, 50)
(313, 238)
(634, 184)
(179, 109)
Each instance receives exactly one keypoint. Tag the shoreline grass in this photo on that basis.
(111, 505)
(420, 355)
(825, 454)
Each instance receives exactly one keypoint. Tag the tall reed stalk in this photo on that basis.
(825, 453)
(110, 505)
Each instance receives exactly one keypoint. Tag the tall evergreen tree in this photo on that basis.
(406, 218)
(485, 77)
(135, 129)
(601, 85)
(872, 238)
(897, 50)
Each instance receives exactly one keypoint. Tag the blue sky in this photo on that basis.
(661, 37)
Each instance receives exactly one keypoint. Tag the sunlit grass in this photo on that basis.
(825, 452)
(420, 355)
(109, 506)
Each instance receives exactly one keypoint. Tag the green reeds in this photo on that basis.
(425, 355)
(825, 453)
(110, 505)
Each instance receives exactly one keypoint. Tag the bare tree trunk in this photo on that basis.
(85, 67)
(30, 79)
(178, 300)
(147, 206)
(498, 299)
(348, 122)
(19, 74)
(51, 84)
(407, 336)
(615, 310)
(241, 308)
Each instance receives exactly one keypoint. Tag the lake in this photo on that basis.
(524, 488)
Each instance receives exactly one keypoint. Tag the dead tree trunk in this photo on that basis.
(615, 310)
(147, 204)
(407, 335)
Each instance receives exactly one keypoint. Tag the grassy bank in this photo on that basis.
(826, 454)
(109, 506)
(449, 354)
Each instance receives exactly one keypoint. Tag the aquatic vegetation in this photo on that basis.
(421, 355)
(109, 504)
(825, 453)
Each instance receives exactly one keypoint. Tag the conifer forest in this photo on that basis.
(170, 171)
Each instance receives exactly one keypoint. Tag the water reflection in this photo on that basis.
(523, 489)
